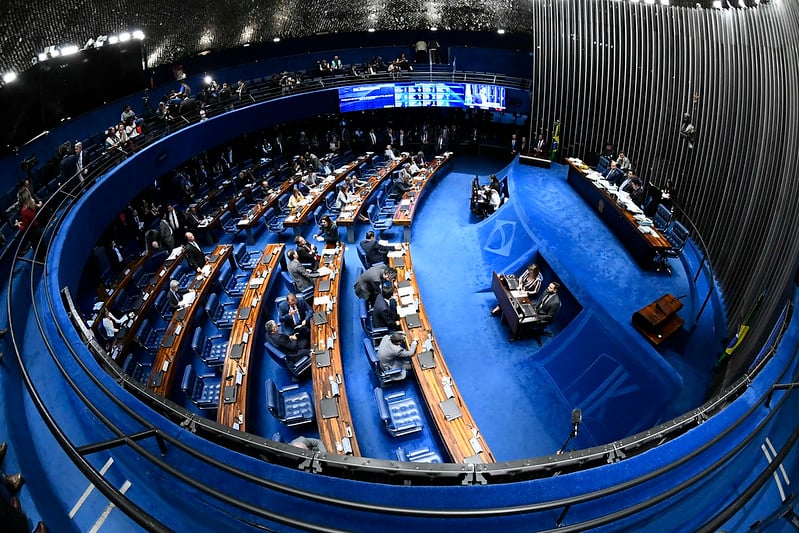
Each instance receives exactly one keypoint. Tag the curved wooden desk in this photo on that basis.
(179, 328)
(253, 217)
(330, 392)
(349, 215)
(460, 434)
(318, 193)
(403, 216)
(120, 284)
(232, 409)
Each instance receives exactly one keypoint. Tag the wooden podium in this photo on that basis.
(659, 320)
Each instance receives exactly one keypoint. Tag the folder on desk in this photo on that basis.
(322, 358)
(231, 393)
(168, 341)
(266, 258)
(399, 262)
(450, 409)
(158, 378)
(319, 318)
(181, 314)
(237, 351)
(329, 407)
(405, 290)
(244, 313)
(406, 300)
(213, 259)
(426, 360)
(324, 285)
(404, 284)
(413, 321)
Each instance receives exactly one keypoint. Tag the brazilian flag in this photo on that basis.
(743, 329)
(555, 140)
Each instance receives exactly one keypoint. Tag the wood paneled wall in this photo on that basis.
(626, 72)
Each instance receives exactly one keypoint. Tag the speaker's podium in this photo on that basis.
(659, 320)
(528, 158)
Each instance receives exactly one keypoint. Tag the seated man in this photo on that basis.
(293, 346)
(399, 186)
(392, 353)
(371, 282)
(375, 252)
(384, 313)
(548, 306)
(529, 282)
(306, 252)
(613, 174)
(295, 315)
(175, 295)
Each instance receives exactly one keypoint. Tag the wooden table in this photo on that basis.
(233, 413)
(461, 436)
(348, 216)
(179, 328)
(517, 311)
(403, 216)
(659, 320)
(121, 283)
(644, 247)
(336, 432)
(248, 222)
(162, 275)
(318, 193)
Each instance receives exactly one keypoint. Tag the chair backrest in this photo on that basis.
(371, 354)
(272, 398)
(662, 217)
(225, 273)
(198, 340)
(211, 306)
(677, 236)
(144, 331)
(241, 206)
(275, 353)
(189, 381)
(129, 364)
(362, 255)
(240, 253)
(371, 213)
(226, 218)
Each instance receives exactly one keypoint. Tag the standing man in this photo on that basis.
(295, 315)
(375, 252)
(302, 277)
(371, 282)
(194, 254)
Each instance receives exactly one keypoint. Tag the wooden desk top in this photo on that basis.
(179, 328)
(347, 217)
(655, 239)
(244, 332)
(332, 430)
(318, 193)
(251, 219)
(404, 217)
(121, 283)
(149, 294)
(457, 434)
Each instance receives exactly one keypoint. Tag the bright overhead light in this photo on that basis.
(42, 56)
(208, 79)
(501, 31)
(124, 36)
(138, 34)
(717, 4)
(246, 45)
(665, 2)
(8, 77)
(371, 30)
(113, 39)
(433, 28)
(69, 49)
(276, 40)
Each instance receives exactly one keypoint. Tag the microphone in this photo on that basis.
(577, 417)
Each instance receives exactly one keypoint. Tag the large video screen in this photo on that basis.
(421, 94)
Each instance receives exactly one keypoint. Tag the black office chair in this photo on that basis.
(677, 236)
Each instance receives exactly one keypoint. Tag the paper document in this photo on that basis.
(321, 300)
(187, 299)
(395, 253)
(405, 311)
(324, 271)
(407, 300)
(405, 291)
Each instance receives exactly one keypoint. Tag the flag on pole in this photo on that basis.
(743, 329)
(555, 140)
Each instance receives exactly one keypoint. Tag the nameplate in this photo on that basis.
(231, 393)
(329, 407)
(213, 259)
(322, 358)
(399, 262)
(426, 360)
(237, 351)
(266, 258)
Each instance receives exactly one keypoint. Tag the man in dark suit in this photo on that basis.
(194, 254)
(547, 307)
(306, 252)
(375, 252)
(384, 313)
(175, 295)
(295, 315)
(540, 146)
(293, 346)
(165, 231)
(371, 282)
(614, 174)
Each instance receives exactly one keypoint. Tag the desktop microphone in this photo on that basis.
(577, 417)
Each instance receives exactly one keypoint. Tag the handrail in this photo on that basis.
(132, 510)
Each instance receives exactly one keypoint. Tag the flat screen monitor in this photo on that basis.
(421, 94)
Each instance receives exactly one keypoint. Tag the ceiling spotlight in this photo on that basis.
(501, 31)
(665, 2)
(433, 28)
(42, 56)
(276, 40)
(246, 45)
(208, 80)
(124, 36)
(113, 39)
(69, 49)
(101, 40)
(8, 77)
(717, 4)
(138, 34)
(371, 30)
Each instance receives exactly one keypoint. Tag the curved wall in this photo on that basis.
(626, 72)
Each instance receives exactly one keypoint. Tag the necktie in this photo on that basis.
(196, 245)
(295, 314)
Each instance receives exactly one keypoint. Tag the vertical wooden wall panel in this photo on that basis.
(737, 183)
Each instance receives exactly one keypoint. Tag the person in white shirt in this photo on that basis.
(111, 325)
(390, 155)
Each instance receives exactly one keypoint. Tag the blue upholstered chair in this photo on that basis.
(136, 369)
(677, 236)
(385, 377)
(211, 349)
(379, 223)
(203, 391)
(243, 258)
(296, 368)
(149, 337)
(228, 223)
(231, 281)
(399, 412)
(662, 217)
(289, 405)
(419, 455)
(222, 315)
(289, 282)
(369, 329)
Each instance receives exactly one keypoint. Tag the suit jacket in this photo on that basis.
(392, 355)
(384, 313)
(375, 252)
(307, 254)
(165, 231)
(614, 175)
(300, 275)
(370, 283)
(292, 349)
(305, 313)
(548, 306)
(173, 298)
(194, 256)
